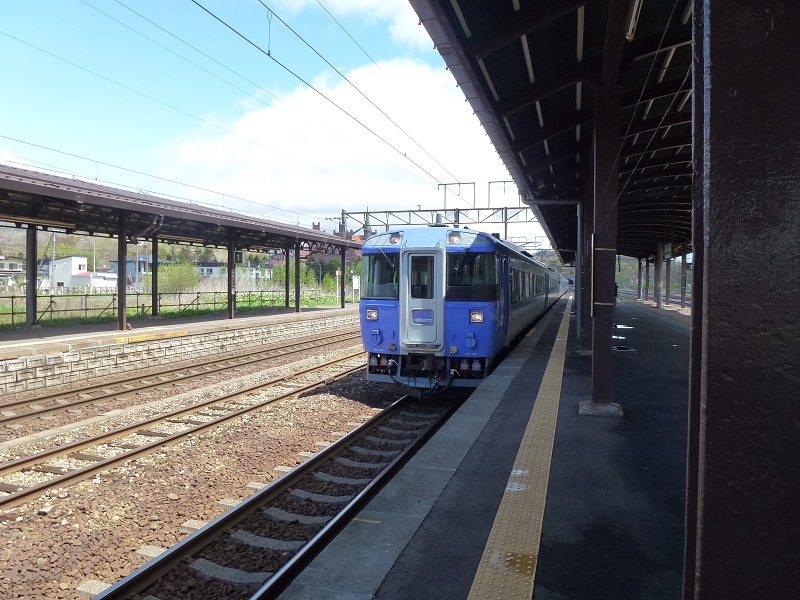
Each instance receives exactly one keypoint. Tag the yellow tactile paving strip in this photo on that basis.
(508, 565)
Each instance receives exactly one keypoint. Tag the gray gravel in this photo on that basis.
(93, 530)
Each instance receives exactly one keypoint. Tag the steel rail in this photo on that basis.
(141, 579)
(16, 498)
(268, 355)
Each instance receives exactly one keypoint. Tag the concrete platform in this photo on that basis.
(613, 520)
(44, 358)
(48, 340)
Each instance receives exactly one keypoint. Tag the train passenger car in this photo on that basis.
(439, 303)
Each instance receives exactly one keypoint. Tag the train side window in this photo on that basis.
(472, 276)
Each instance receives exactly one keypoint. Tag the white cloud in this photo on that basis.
(404, 27)
(307, 156)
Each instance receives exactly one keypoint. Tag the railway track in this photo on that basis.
(195, 374)
(255, 549)
(130, 441)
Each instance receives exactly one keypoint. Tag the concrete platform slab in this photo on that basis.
(613, 523)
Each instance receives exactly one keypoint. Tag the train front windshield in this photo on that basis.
(379, 276)
(472, 276)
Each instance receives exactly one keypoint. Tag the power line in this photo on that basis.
(355, 87)
(162, 46)
(223, 66)
(211, 58)
(176, 109)
(303, 81)
(189, 185)
(350, 36)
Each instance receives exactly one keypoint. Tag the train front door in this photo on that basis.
(422, 299)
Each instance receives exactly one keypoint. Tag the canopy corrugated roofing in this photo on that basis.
(88, 208)
(530, 69)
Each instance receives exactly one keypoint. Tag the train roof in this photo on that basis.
(435, 235)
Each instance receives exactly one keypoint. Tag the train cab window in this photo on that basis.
(422, 277)
(379, 276)
(472, 276)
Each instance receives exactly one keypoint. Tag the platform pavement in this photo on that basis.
(46, 340)
(613, 523)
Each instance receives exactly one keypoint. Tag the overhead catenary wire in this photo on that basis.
(314, 89)
(256, 85)
(183, 58)
(137, 92)
(355, 87)
(347, 33)
(211, 58)
(175, 108)
(196, 49)
(166, 179)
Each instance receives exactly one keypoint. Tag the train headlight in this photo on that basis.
(372, 314)
(476, 316)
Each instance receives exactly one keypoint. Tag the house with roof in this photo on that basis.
(72, 272)
(12, 270)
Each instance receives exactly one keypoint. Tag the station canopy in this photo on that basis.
(530, 70)
(81, 207)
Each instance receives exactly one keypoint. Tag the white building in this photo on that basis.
(12, 270)
(72, 272)
(211, 269)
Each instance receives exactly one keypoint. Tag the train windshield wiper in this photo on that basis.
(386, 256)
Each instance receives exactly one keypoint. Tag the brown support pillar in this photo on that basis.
(683, 280)
(747, 480)
(658, 268)
(297, 276)
(231, 273)
(586, 263)
(154, 278)
(667, 271)
(343, 251)
(31, 272)
(122, 273)
(647, 280)
(286, 279)
(577, 281)
(696, 339)
(604, 250)
(639, 280)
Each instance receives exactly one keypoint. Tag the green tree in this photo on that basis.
(329, 284)
(177, 277)
(180, 254)
(205, 254)
(279, 273)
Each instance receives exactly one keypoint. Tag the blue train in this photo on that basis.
(440, 303)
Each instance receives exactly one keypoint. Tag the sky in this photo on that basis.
(291, 110)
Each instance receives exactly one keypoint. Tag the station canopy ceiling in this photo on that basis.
(529, 69)
(77, 206)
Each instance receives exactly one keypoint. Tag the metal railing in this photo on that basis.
(72, 308)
